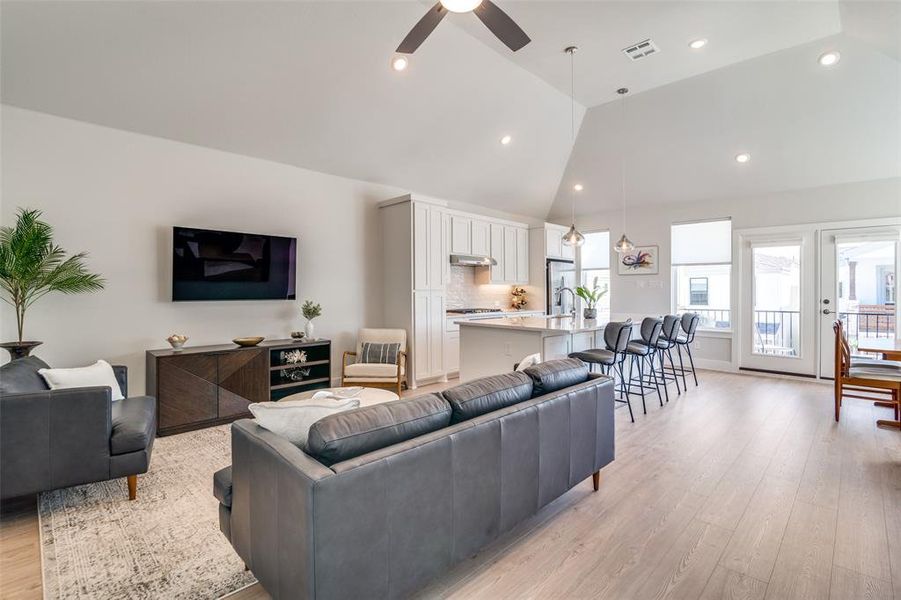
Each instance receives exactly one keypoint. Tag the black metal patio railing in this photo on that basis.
(711, 318)
(778, 332)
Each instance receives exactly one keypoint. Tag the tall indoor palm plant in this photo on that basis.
(32, 266)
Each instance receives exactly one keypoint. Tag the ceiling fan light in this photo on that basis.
(624, 245)
(573, 237)
(461, 6)
(399, 63)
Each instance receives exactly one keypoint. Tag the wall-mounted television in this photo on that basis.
(227, 265)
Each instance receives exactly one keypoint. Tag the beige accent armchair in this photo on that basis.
(390, 376)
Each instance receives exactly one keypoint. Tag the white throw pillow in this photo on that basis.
(292, 419)
(98, 374)
(529, 361)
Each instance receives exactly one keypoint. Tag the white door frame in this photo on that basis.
(828, 280)
(805, 363)
(817, 228)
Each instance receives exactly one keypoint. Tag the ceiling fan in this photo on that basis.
(500, 24)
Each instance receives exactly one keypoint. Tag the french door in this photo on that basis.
(858, 284)
(777, 301)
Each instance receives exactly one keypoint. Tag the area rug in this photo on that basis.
(166, 544)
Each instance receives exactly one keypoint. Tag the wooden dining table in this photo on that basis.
(889, 348)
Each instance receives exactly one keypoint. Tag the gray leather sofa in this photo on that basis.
(51, 439)
(389, 496)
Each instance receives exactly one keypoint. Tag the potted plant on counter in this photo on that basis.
(32, 266)
(591, 297)
(310, 311)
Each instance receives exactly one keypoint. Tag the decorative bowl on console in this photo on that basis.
(248, 342)
(298, 336)
(177, 340)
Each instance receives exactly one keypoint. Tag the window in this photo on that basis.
(702, 271)
(594, 260)
(697, 291)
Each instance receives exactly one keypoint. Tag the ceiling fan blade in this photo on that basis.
(422, 30)
(501, 25)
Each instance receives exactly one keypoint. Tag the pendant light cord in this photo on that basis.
(572, 116)
(622, 158)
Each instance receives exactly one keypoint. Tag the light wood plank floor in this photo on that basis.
(744, 487)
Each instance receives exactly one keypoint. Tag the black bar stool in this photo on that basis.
(616, 338)
(640, 351)
(665, 345)
(690, 322)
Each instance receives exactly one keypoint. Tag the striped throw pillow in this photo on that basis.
(379, 353)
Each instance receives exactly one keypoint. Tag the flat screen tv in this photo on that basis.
(225, 265)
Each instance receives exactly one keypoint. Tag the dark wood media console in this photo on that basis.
(211, 385)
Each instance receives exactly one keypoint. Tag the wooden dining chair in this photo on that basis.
(874, 381)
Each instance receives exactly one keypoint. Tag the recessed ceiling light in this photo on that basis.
(742, 158)
(399, 63)
(830, 58)
(697, 44)
(578, 187)
(506, 140)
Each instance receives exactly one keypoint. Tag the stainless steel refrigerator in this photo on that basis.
(560, 274)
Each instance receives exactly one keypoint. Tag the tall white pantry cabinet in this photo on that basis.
(415, 248)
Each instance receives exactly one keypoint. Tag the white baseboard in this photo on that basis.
(715, 365)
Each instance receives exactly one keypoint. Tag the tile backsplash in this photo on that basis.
(464, 292)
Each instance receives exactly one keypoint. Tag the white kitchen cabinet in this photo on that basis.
(522, 256)
(461, 235)
(510, 254)
(553, 243)
(481, 238)
(497, 253)
(429, 248)
(554, 246)
(420, 247)
(437, 250)
(416, 240)
(429, 320)
(452, 351)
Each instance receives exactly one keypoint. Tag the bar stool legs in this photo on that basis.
(692, 361)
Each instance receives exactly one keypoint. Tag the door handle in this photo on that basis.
(826, 311)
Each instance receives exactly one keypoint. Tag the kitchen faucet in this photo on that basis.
(559, 298)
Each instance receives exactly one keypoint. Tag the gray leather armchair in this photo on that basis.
(51, 439)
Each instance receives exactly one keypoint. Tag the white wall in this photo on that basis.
(117, 195)
(651, 294)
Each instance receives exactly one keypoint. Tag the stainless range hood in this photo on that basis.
(471, 260)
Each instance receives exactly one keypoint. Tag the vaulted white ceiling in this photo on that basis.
(803, 125)
(735, 30)
(309, 84)
(303, 83)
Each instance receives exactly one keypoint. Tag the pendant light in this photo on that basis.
(624, 244)
(572, 237)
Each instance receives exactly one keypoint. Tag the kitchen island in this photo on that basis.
(492, 346)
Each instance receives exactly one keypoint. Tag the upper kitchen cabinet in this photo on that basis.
(554, 246)
(498, 253)
(429, 247)
(522, 256)
(508, 245)
(461, 235)
(481, 237)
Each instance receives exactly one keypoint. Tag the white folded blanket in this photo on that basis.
(292, 419)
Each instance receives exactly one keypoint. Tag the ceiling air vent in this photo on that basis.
(641, 50)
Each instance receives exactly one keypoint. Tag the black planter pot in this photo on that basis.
(19, 349)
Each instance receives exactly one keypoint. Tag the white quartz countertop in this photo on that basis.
(500, 314)
(564, 325)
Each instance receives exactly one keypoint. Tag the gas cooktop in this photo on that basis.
(473, 311)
